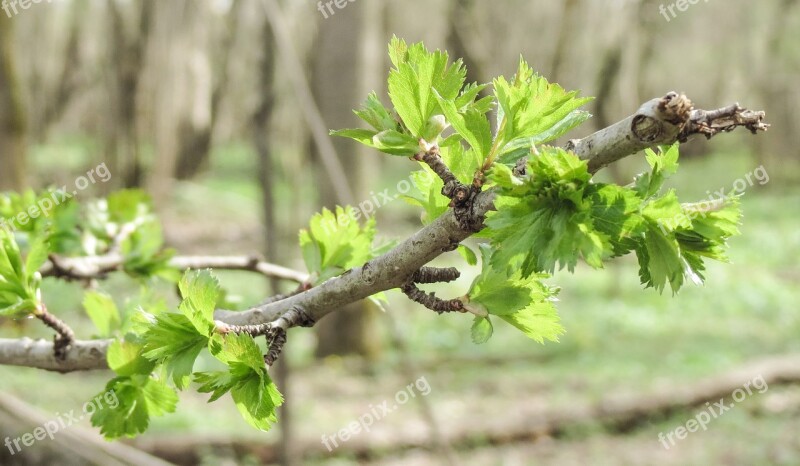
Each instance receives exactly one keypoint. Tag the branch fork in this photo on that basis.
(275, 331)
(461, 196)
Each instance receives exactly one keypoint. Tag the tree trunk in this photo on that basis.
(127, 58)
(195, 141)
(336, 66)
(13, 124)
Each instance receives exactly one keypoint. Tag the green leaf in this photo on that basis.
(468, 254)
(134, 400)
(19, 289)
(257, 399)
(336, 242)
(416, 75)
(545, 219)
(251, 388)
(125, 358)
(524, 302)
(37, 254)
(481, 330)
(713, 222)
(389, 141)
(376, 115)
(495, 291)
(217, 383)
(174, 342)
(530, 107)
(200, 291)
(17, 310)
(538, 322)
(102, 311)
(129, 205)
(663, 165)
(666, 212)
(616, 213)
(522, 147)
(427, 194)
(660, 261)
(470, 123)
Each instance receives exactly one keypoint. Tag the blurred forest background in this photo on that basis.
(220, 110)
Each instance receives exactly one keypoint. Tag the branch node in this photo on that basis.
(64, 337)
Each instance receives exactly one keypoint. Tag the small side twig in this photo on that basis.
(64, 337)
(276, 336)
(274, 331)
(709, 123)
(430, 300)
(435, 275)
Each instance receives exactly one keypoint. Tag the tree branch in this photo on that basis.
(82, 355)
(666, 120)
(660, 121)
(83, 268)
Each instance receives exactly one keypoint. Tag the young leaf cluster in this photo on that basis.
(20, 280)
(524, 302)
(159, 346)
(335, 242)
(555, 215)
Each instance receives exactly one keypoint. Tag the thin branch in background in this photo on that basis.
(89, 267)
